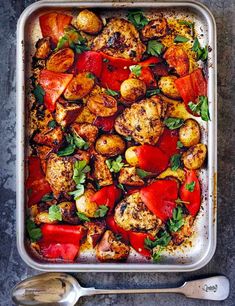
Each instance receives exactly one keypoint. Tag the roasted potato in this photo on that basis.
(66, 113)
(154, 29)
(85, 116)
(110, 145)
(43, 48)
(89, 22)
(102, 105)
(189, 133)
(131, 156)
(101, 171)
(195, 156)
(85, 205)
(132, 89)
(178, 59)
(43, 217)
(79, 87)
(167, 86)
(61, 60)
(85, 130)
(179, 174)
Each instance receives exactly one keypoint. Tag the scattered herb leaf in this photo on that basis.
(187, 23)
(33, 231)
(175, 162)
(173, 123)
(55, 213)
(47, 197)
(111, 92)
(66, 151)
(180, 39)
(78, 192)
(202, 53)
(179, 145)
(163, 240)
(105, 60)
(157, 254)
(52, 124)
(177, 220)
(137, 18)
(101, 211)
(39, 94)
(190, 187)
(135, 69)
(115, 165)
(141, 173)
(90, 75)
(120, 186)
(128, 138)
(82, 216)
(74, 141)
(154, 47)
(201, 108)
(152, 92)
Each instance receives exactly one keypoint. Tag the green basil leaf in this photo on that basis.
(154, 47)
(141, 173)
(180, 39)
(173, 123)
(111, 92)
(190, 186)
(82, 216)
(55, 213)
(115, 165)
(137, 18)
(39, 94)
(179, 145)
(47, 197)
(34, 232)
(204, 108)
(152, 92)
(66, 151)
(187, 23)
(175, 162)
(136, 70)
(101, 211)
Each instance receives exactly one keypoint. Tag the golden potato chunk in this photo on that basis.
(131, 156)
(61, 60)
(85, 205)
(189, 133)
(110, 145)
(79, 87)
(167, 86)
(132, 89)
(43, 217)
(101, 171)
(102, 105)
(95, 232)
(85, 116)
(154, 29)
(89, 22)
(195, 156)
(43, 48)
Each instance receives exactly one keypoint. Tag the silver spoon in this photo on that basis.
(62, 289)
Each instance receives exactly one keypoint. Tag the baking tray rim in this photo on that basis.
(20, 135)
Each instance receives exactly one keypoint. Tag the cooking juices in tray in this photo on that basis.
(116, 140)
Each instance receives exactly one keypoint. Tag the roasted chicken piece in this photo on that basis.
(110, 249)
(68, 211)
(120, 38)
(95, 232)
(66, 113)
(129, 177)
(50, 138)
(154, 29)
(178, 59)
(185, 231)
(101, 171)
(43, 48)
(85, 130)
(143, 121)
(59, 174)
(132, 214)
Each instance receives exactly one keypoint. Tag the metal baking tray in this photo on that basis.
(203, 241)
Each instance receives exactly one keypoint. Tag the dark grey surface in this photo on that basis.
(13, 269)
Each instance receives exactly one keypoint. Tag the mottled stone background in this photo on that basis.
(13, 269)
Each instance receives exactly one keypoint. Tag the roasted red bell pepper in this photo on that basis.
(66, 251)
(53, 25)
(114, 71)
(160, 69)
(36, 183)
(137, 241)
(160, 198)
(151, 158)
(198, 82)
(168, 142)
(107, 195)
(58, 233)
(177, 58)
(194, 196)
(105, 123)
(89, 61)
(116, 229)
(54, 84)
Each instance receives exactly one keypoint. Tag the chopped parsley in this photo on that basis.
(101, 211)
(179, 145)
(152, 92)
(82, 216)
(47, 197)
(177, 220)
(190, 186)
(180, 39)
(173, 123)
(137, 18)
(136, 70)
(55, 213)
(39, 94)
(201, 108)
(141, 173)
(154, 47)
(115, 165)
(202, 53)
(33, 231)
(52, 124)
(175, 162)
(74, 141)
(163, 240)
(111, 92)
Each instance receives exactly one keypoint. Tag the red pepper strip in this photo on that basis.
(194, 197)
(89, 61)
(198, 82)
(114, 71)
(57, 233)
(151, 158)
(36, 183)
(160, 198)
(53, 25)
(66, 251)
(137, 242)
(168, 142)
(151, 61)
(107, 195)
(54, 84)
(116, 229)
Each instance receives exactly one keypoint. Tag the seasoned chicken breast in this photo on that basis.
(59, 174)
(120, 38)
(132, 214)
(101, 171)
(110, 249)
(143, 121)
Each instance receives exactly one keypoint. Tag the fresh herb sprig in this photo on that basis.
(74, 141)
(82, 216)
(201, 108)
(173, 123)
(115, 165)
(177, 220)
(136, 70)
(152, 92)
(55, 213)
(190, 186)
(154, 47)
(180, 39)
(101, 211)
(34, 232)
(175, 162)
(202, 53)
(142, 173)
(163, 240)
(39, 94)
(137, 18)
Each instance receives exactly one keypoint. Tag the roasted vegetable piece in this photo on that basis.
(68, 212)
(142, 121)
(116, 229)
(102, 105)
(43, 217)
(154, 29)
(168, 142)
(85, 130)
(132, 214)
(179, 174)
(36, 183)
(195, 156)
(160, 198)
(53, 83)
(86, 205)
(133, 89)
(110, 249)
(51, 138)
(189, 133)
(107, 195)
(80, 86)
(66, 113)
(65, 251)
(110, 145)
(167, 86)
(137, 241)
(129, 177)
(53, 25)
(95, 232)
(89, 61)
(105, 123)
(185, 231)
(43, 48)
(177, 58)
(59, 174)
(101, 171)
(89, 22)
(120, 38)
(85, 116)
(131, 156)
(190, 191)
(61, 60)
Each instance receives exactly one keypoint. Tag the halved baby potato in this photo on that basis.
(110, 145)
(132, 89)
(167, 86)
(85, 205)
(102, 105)
(131, 156)
(189, 133)
(89, 22)
(195, 156)
(61, 60)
